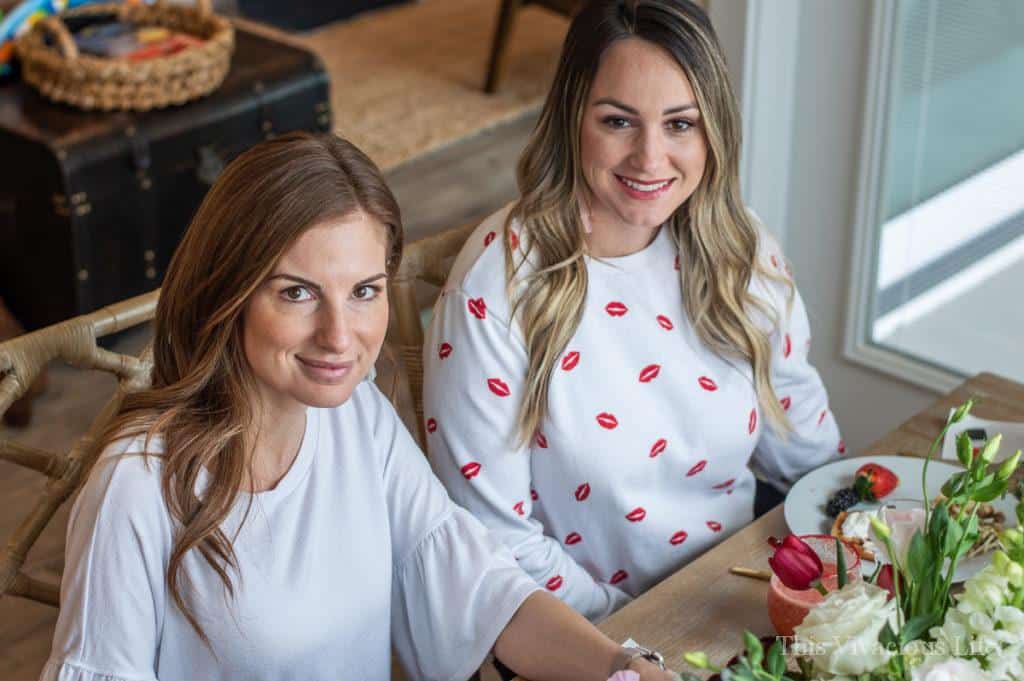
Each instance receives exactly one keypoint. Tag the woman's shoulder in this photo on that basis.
(479, 269)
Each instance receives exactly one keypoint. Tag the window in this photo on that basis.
(938, 288)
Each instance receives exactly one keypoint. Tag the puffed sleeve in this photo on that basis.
(112, 591)
(475, 366)
(455, 586)
(781, 458)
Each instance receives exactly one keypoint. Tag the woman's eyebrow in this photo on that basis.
(370, 280)
(298, 280)
(628, 109)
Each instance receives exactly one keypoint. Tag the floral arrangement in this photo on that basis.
(902, 623)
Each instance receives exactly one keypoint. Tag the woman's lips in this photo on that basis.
(644, 190)
(327, 373)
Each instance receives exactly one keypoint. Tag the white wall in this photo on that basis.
(806, 112)
(829, 84)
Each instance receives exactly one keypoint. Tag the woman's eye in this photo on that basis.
(679, 125)
(616, 122)
(366, 292)
(296, 294)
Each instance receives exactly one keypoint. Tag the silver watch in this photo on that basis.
(627, 654)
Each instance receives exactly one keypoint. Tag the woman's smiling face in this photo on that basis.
(314, 328)
(642, 146)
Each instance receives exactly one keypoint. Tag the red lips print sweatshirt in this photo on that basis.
(646, 456)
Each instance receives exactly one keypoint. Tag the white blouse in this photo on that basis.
(357, 548)
(643, 460)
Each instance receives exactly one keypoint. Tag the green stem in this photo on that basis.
(820, 588)
(924, 471)
(947, 582)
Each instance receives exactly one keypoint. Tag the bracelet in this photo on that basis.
(627, 654)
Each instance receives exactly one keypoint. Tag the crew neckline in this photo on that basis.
(660, 248)
(301, 465)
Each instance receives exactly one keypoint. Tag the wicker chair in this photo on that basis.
(21, 361)
(503, 29)
(427, 260)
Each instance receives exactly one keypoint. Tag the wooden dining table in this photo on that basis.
(704, 607)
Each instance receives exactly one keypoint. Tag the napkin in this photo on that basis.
(1013, 436)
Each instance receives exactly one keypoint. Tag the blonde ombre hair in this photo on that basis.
(715, 235)
(200, 399)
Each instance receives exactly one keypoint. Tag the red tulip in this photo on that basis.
(795, 563)
(887, 579)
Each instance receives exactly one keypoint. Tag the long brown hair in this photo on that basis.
(199, 402)
(715, 235)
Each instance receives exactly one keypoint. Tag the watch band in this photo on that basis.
(627, 654)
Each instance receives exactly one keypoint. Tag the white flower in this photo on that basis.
(840, 634)
(984, 592)
(953, 669)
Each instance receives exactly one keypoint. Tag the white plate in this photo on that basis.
(805, 504)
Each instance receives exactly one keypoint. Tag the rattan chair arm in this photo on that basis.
(59, 32)
(50, 464)
(37, 590)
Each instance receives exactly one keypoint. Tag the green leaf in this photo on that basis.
(993, 490)
(754, 649)
(938, 524)
(954, 531)
(864, 488)
(840, 563)
(964, 450)
(919, 558)
(916, 626)
(776, 660)
(887, 636)
(954, 485)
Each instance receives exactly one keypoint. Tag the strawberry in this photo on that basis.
(874, 482)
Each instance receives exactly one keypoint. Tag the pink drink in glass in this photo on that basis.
(788, 607)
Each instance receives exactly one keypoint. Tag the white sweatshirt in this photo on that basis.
(357, 548)
(643, 460)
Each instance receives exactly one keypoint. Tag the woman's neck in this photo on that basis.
(276, 442)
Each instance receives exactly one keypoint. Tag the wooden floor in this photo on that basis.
(464, 182)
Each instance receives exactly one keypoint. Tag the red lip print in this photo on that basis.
(697, 468)
(570, 361)
(787, 346)
(775, 261)
(445, 350)
(842, 447)
(534, 495)
(582, 492)
(616, 309)
(513, 240)
(618, 577)
(606, 420)
(542, 441)
(489, 238)
(723, 485)
(658, 447)
(752, 423)
(636, 515)
(665, 322)
(678, 538)
(498, 387)
(573, 538)
(649, 373)
(713, 526)
(786, 402)
(707, 384)
(555, 583)
(477, 307)
(431, 425)
(821, 417)
(677, 263)
(518, 508)
(470, 470)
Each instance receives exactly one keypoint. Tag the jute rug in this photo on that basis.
(408, 80)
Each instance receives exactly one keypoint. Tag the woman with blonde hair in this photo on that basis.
(260, 512)
(615, 350)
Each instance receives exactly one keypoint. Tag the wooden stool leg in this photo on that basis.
(502, 30)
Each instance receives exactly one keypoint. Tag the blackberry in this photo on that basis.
(841, 500)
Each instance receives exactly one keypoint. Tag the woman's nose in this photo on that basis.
(648, 151)
(334, 332)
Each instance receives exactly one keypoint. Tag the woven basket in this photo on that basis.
(64, 75)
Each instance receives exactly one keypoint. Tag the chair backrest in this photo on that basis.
(21, 361)
(427, 260)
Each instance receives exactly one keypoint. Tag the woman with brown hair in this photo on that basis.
(260, 512)
(616, 349)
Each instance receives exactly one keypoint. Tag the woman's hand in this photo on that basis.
(649, 671)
